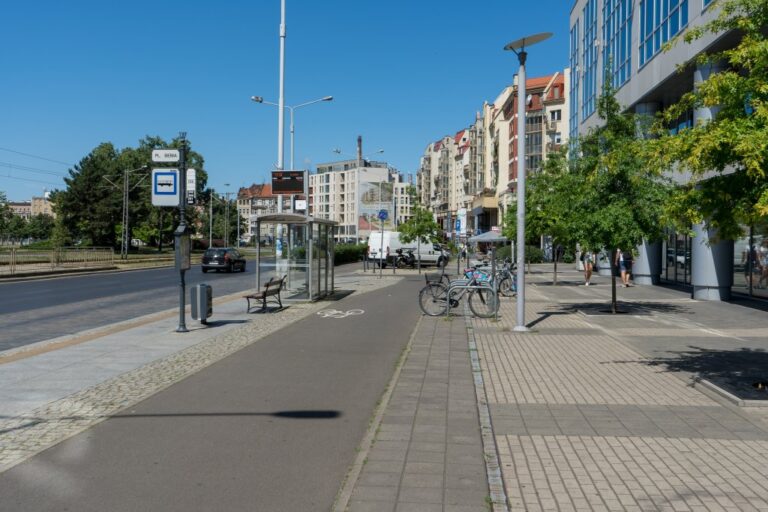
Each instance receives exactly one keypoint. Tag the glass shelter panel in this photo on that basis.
(301, 252)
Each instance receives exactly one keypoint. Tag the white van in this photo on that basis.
(431, 254)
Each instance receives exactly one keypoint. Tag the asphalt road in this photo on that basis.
(273, 427)
(42, 309)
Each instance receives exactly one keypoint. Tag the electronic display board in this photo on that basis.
(287, 182)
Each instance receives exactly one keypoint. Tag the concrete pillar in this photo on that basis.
(711, 266)
(646, 268)
(711, 262)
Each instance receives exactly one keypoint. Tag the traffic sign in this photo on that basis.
(383, 215)
(165, 187)
(165, 155)
(191, 186)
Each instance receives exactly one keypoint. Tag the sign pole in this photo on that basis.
(181, 237)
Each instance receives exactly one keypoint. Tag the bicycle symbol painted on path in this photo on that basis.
(335, 313)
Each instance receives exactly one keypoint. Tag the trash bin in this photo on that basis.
(201, 302)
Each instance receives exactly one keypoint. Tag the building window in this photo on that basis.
(557, 138)
(573, 121)
(660, 21)
(617, 36)
(556, 115)
(589, 59)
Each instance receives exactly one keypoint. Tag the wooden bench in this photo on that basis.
(271, 292)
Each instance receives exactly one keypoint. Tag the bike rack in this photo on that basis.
(467, 284)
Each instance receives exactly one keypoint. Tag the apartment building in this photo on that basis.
(352, 192)
(627, 38)
(473, 174)
(255, 201)
(21, 208)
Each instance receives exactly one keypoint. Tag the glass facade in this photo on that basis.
(660, 21)
(617, 36)
(750, 262)
(589, 59)
(573, 121)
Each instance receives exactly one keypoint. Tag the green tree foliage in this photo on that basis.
(605, 196)
(5, 214)
(733, 145)
(40, 226)
(421, 226)
(221, 223)
(90, 208)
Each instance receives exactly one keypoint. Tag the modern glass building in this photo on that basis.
(622, 41)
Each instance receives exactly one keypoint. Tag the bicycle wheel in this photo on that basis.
(483, 303)
(433, 299)
(507, 287)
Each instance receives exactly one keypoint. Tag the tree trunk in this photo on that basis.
(554, 279)
(614, 269)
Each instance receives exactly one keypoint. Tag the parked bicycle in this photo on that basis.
(483, 301)
(506, 277)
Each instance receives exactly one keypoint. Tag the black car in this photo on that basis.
(223, 258)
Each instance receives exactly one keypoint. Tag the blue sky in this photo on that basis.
(402, 73)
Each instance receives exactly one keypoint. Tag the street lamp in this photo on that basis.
(259, 99)
(518, 47)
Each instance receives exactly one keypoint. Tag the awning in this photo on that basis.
(490, 237)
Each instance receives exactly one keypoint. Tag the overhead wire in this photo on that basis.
(36, 156)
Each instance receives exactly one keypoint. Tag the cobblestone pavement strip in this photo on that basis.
(23, 436)
(583, 421)
(428, 452)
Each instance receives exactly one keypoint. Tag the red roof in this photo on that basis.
(263, 190)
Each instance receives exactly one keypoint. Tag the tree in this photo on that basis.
(605, 197)
(40, 226)
(734, 144)
(422, 227)
(625, 196)
(5, 215)
(91, 206)
(549, 203)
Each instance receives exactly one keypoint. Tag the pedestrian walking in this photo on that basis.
(588, 258)
(623, 262)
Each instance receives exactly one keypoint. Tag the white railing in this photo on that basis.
(16, 261)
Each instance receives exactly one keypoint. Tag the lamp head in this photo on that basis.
(328, 98)
(257, 99)
(520, 44)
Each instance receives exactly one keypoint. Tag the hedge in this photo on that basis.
(349, 253)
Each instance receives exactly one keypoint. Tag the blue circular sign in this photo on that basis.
(383, 214)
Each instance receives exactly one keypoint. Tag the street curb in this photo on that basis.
(490, 449)
(353, 473)
(728, 396)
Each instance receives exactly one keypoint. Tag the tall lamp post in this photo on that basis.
(519, 47)
(259, 99)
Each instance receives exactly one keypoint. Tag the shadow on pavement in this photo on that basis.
(737, 371)
(296, 415)
(634, 308)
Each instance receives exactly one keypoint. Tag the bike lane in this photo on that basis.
(272, 427)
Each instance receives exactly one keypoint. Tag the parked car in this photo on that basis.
(223, 258)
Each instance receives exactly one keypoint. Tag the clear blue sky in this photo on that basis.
(403, 73)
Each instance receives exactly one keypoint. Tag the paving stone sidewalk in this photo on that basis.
(428, 451)
(585, 418)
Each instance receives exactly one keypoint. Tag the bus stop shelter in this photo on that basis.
(302, 250)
